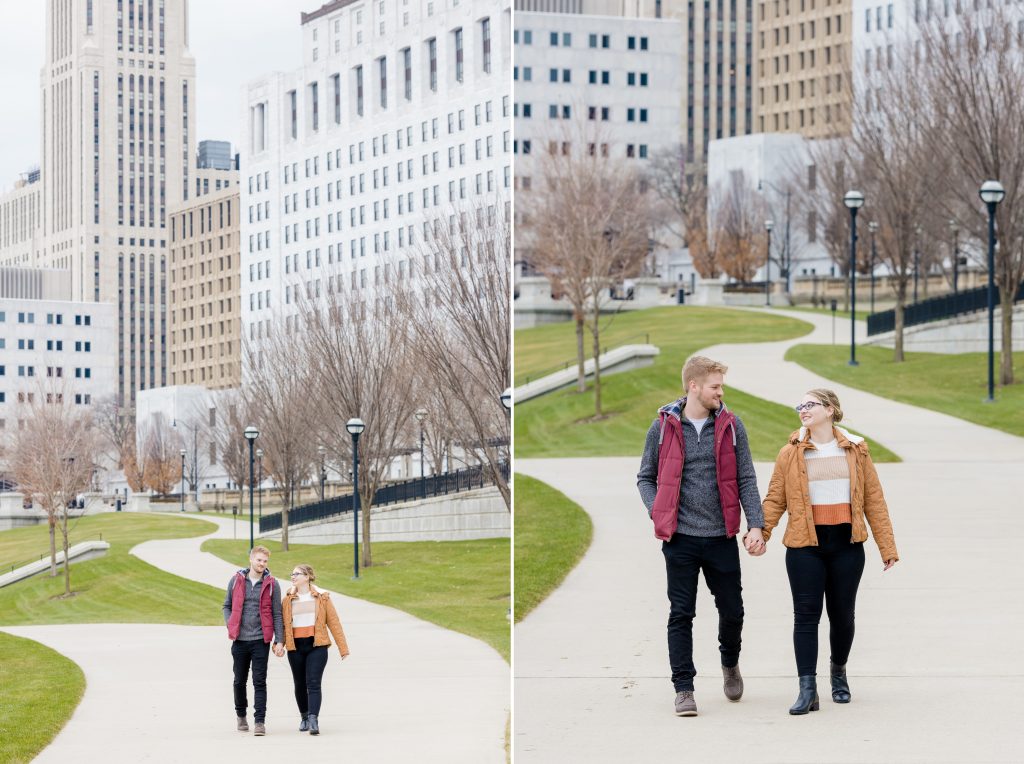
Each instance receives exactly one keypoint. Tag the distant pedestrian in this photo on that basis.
(695, 475)
(252, 613)
(825, 480)
(308, 616)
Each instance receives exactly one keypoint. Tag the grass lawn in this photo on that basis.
(115, 588)
(41, 689)
(557, 424)
(953, 384)
(552, 534)
(460, 585)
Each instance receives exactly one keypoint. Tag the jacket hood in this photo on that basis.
(846, 438)
(292, 592)
(244, 572)
(675, 408)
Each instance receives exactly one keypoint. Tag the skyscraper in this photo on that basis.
(118, 89)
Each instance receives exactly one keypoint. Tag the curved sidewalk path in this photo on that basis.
(933, 672)
(410, 691)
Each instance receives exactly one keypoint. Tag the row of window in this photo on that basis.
(564, 40)
(806, 89)
(564, 111)
(80, 399)
(632, 150)
(807, 60)
(807, 29)
(29, 317)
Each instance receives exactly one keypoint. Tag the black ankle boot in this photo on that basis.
(840, 687)
(304, 724)
(808, 698)
(314, 728)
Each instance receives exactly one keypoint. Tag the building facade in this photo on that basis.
(398, 116)
(53, 348)
(118, 93)
(21, 211)
(204, 296)
(804, 60)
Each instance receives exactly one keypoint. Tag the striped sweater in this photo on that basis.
(828, 480)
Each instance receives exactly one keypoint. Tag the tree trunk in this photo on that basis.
(365, 500)
(581, 377)
(67, 562)
(897, 346)
(1006, 344)
(53, 545)
(595, 333)
(284, 517)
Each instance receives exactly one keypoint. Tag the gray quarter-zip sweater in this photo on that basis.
(700, 508)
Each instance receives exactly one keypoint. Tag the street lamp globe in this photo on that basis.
(873, 226)
(854, 200)
(183, 452)
(355, 426)
(991, 192)
(769, 225)
(251, 432)
(506, 398)
(421, 415)
(259, 453)
(321, 450)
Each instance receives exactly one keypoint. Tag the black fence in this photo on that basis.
(396, 493)
(936, 309)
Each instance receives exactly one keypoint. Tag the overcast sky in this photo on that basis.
(233, 42)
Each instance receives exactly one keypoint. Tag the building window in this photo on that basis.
(383, 82)
(485, 34)
(459, 55)
(359, 90)
(407, 66)
(432, 57)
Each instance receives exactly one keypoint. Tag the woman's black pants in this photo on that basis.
(831, 572)
(307, 663)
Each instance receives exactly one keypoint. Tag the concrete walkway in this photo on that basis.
(933, 669)
(410, 691)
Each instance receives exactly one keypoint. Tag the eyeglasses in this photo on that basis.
(293, 575)
(806, 406)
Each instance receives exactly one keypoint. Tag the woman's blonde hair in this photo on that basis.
(307, 570)
(829, 398)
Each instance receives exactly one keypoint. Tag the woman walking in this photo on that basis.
(825, 480)
(308, 614)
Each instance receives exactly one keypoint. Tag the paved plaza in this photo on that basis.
(933, 669)
(410, 691)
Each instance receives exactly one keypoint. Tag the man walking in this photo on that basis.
(695, 474)
(252, 613)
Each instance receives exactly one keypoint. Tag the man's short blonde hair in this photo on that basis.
(698, 367)
(259, 550)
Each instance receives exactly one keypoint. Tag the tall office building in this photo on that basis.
(118, 87)
(21, 232)
(804, 58)
(398, 117)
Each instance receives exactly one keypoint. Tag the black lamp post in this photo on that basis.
(956, 254)
(917, 257)
(323, 471)
(355, 427)
(251, 433)
(768, 226)
(183, 480)
(854, 200)
(991, 193)
(873, 228)
(421, 417)
(259, 457)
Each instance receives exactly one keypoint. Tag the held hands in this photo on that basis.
(279, 650)
(754, 542)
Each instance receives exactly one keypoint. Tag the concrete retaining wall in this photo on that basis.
(471, 515)
(962, 334)
(87, 550)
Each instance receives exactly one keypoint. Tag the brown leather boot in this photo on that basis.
(733, 685)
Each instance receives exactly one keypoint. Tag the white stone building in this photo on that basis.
(21, 233)
(398, 115)
(51, 346)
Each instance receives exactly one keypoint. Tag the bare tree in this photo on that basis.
(459, 319)
(278, 389)
(161, 447)
(737, 219)
(973, 83)
(360, 355)
(116, 426)
(589, 227)
(52, 461)
(230, 420)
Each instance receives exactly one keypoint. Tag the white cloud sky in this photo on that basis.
(233, 43)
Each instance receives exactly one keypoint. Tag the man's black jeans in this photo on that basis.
(307, 663)
(719, 558)
(245, 653)
(829, 571)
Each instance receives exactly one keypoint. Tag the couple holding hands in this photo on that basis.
(696, 474)
(259, 620)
